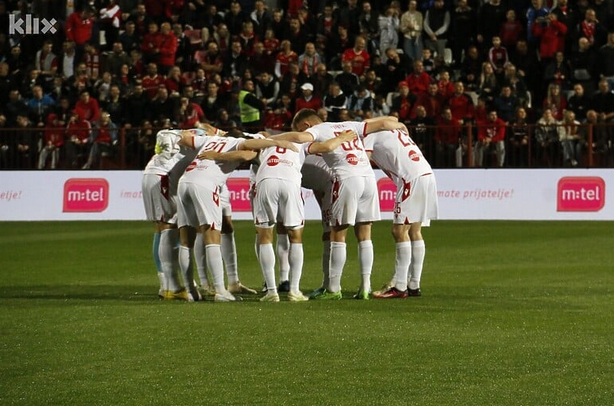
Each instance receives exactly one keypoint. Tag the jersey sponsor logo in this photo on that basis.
(273, 160)
(191, 166)
(86, 195)
(351, 159)
(581, 193)
(414, 156)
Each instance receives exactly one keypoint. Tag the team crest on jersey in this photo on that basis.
(273, 160)
(351, 159)
(413, 155)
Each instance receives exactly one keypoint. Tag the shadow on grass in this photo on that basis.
(80, 292)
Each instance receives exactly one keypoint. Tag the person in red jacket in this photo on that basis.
(168, 48)
(150, 47)
(447, 140)
(79, 26)
(418, 80)
(77, 139)
(359, 57)
(102, 138)
(491, 134)
(87, 107)
(552, 35)
(461, 105)
(308, 100)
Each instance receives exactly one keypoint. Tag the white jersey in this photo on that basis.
(316, 174)
(397, 155)
(253, 168)
(349, 159)
(208, 172)
(281, 163)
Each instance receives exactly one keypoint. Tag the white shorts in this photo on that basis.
(354, 200)
(198, 206)
(225, 201)
(278, 201)
(160, 204)
(416, 201)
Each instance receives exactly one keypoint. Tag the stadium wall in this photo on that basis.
(475, 194)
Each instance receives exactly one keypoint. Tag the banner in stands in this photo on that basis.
(496, 194)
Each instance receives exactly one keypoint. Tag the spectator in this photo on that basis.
(403, 104)
(213, 102)
(326, 23)
(248, 38)
(571, 140)
(447, 141)
(498, 57)
(79, 25)
(224, 121)
(591, 29)
(211, 60)
(152, 81)
(309, 60)
(463, 30)
(130, 38)
(334, 102)
(189, 114)
(488, 86)
(536, 16)
(15, 106)
(39, 107)
(578, 102)
(511, 30)
(17, 64)
(261, 60)
(308, 100)
(52, 143)
(102, 138)
(584, 68)
(115, 105)
(349, 17)
(605, 60)
(360, 104)
(518, 140)
(162, 107)
(491, 136)
(422, 131)
(471, 68)
(527, 65)
(175, 82)
(552, 34)
(547, 139)
(602, 140)
(292, 80)
(418, 81)
(339, 43)
(347, 80)
(87, 107)
(368, 22)
(321, 80)
(445, 87)
(506, 105)
(252, 108)
(388, 31)
(234, 19)
(281, 117)
(411, 26)
(515, 83)
(46, 62)
(109, 22)
(461, 105)
(358, 57)
(24, 143)
(558, 71)
(555, 101)
(603, 102)
(296, 34)
(77, 139)
(167, 48)
(267, 88)
(137, 106)
(428, 62)
(436, 26)
(567, 15)
(432, 101)
(261, 18)
(235, 62)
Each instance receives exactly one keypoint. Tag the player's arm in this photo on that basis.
(300, 137)
(333, 143)
(186, 139)
(266, 143)
(211, 130)
(228, 156)
(383, 124)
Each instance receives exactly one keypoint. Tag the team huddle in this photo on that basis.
(185, 195)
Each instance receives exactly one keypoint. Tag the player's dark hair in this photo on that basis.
(303, 114)
(234, 133)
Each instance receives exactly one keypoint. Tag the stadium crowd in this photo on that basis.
(508, 83)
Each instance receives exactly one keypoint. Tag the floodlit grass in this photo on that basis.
(513, 313)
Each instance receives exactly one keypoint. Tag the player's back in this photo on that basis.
(281, 163)
(349, 159)
(397, 154)
(209, 172)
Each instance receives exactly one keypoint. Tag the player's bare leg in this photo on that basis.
(365, 258)
(266, 258)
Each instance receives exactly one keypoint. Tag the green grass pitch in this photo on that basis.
(512, 313)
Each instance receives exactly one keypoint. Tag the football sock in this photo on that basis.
(365, 259)
(338, 256)
(296, 258)
(267, 265)
(229, 254)
(201, 262)
(167, 252)
(325, 263)
(283, 253)
(213, 253)
(401, 264)
(156, 254)
(185, 263)
(418, 251)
